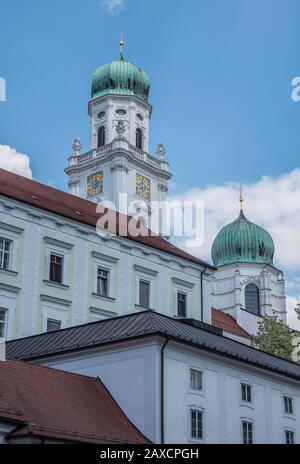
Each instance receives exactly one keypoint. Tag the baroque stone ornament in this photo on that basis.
(120, 166)
(73, 183)
(163, 187)
(120, 128)
(160, 152)
(76, 147)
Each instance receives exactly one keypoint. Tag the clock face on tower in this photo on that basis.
(143, 187)
(95, 184)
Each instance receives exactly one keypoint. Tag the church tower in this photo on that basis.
(246, 284)
(119, 161)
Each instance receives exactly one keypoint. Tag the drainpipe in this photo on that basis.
(202, 272)
(162, 390)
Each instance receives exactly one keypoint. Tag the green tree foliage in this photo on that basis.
(297, 309)
(275, 337)
(297, 334)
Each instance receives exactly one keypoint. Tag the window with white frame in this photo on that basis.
(5, 253)
(247, 430)
(246, 393)
(53, 325)
(2, 323)
(288, 405)
(102, 282)
(181, 304)
(144, 294)
(196, 380)
(182, 297)
(196, 424)
(289, 437)
(56, 268)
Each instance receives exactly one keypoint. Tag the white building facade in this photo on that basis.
(181, 386)
(59, 272)
(119, 170)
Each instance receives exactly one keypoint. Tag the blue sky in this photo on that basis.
(220, 73)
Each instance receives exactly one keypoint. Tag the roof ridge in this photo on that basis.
(64, 208)
(78, 326)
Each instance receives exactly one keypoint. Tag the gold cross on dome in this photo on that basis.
(121, 47)
(241, 198)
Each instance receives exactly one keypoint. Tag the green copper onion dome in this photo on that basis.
(120, 78)
(243, 241)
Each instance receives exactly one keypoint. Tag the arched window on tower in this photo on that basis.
(252, 299)
(101, 136)
(139, 138)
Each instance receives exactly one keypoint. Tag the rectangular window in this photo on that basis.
(2, 323)
(197, 424)
(53, 325)
(181, 305)
(196, 380)
(144, 294)
(246, 391)
(247, 433)
(5, 253)
(288, 404)
(289, 437)
(56, 268)
(102, 282)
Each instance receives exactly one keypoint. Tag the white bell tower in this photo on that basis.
(119, 161)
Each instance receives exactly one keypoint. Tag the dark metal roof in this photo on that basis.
(142, 324)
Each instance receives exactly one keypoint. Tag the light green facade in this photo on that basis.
(30, 299)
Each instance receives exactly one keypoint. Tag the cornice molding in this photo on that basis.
(103, 257)
(53, 299)
(11, 228)
(145, 270)
(183, 283)
(58, 243)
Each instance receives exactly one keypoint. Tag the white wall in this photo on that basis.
(221, 399)
(131, 374)
(30, 299)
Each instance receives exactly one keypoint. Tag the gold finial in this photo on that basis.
(121, 47)
(241, 198)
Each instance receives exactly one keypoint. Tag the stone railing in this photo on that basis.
(118, 143)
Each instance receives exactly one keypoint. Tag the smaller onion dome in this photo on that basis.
(243, 241)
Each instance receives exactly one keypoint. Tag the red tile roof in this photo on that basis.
(48, 403)
(80, 210)
(226, 322)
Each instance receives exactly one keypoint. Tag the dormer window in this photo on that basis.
(139, 139)
(252, 299)
(101, 136)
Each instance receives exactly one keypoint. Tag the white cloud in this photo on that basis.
(15, 162)
(113, 6)
(273, 203)
(292, 319)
